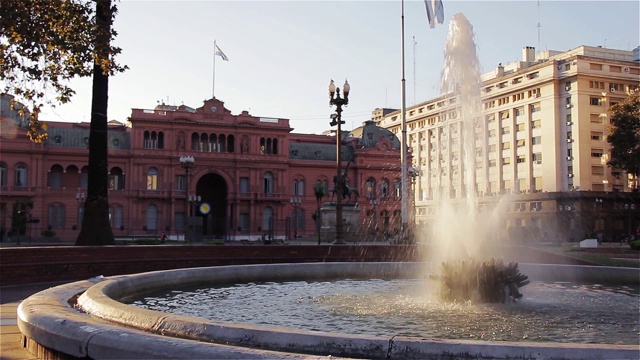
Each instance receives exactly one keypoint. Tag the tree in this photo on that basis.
(44, 44)
(319, 190)
(624, 136)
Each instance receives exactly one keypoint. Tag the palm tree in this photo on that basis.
(319, 190)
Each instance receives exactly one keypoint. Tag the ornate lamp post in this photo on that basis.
(295, 202)
(336, 119)
(186, 162)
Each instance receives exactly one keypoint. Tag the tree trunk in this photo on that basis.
(96, 229)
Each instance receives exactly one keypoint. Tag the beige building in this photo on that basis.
(540, 140)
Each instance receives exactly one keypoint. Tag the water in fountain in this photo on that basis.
(460, 233)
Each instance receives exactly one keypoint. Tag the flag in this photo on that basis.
(435, 12)
(221, 54)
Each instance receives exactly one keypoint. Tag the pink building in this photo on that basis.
(251, 176)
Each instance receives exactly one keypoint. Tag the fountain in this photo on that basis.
(91, 318)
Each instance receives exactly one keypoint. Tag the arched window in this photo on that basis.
(269, 147)
(84, 177)
(263, 144)
(267, 219)
(371, 188)
(274, 149)
(299, 187)
(152, 179)
(146, 143)
(267, 187)
(397, 188)
(154, 140)
(3, 174)
(160, 140)
(55, 177)
(384, 188)
(204, 142)
(71, 178)
(213, 142)
(231, 143)
(152, 217)
(21, 175)
(116, 179)
(222, 143)
(56, 216)
(195, 141)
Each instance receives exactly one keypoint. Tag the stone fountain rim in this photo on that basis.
(109, 328)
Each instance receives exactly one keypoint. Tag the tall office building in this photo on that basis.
(540, 139)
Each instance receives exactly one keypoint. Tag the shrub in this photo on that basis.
(48, 233)
(635, 245)
(146, 241)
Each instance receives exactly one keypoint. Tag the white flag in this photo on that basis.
(435, 12)
(221, 54)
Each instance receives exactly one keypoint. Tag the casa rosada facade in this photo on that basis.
(251, 177)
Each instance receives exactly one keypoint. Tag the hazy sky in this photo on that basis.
(282, 54)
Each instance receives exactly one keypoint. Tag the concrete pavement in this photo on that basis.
(11, 347)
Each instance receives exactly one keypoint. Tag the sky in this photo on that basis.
(283, 54)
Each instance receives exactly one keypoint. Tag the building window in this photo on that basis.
(84, 177)
(55, 177)
(593, 66)
(267, 219)
(21, 175)
(535, 206)
(506, 161)
(596, 153)
(181, 183)
(56, 216)
(596, 101)
(506, 146)
(596, 135)
(397, 189)
(520, 159)
(506, 130)
(3, 174)
(116, 179)
(520, 127)
(267, 183)
(537, 157)
(115, 216)
(520, 143)
(536, 140)
(597, 170)
(492, 163)
(244, 185)
(370, 188)
(152, 217)
(245, 223)
(384, 188)
(536, 124)
(152, 179)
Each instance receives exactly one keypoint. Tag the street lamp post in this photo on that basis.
(295, 202)
(336, 119)
(186, 162)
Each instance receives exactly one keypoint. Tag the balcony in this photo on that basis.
(17, 190)
(153, 194)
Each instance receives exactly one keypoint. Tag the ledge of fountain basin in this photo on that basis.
(79, 334)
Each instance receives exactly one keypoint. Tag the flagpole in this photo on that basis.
(213, 86)
(405, 190)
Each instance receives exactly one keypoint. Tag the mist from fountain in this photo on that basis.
(459, 231)
(462, 235)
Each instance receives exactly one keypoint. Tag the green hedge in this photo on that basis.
(635, 245)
